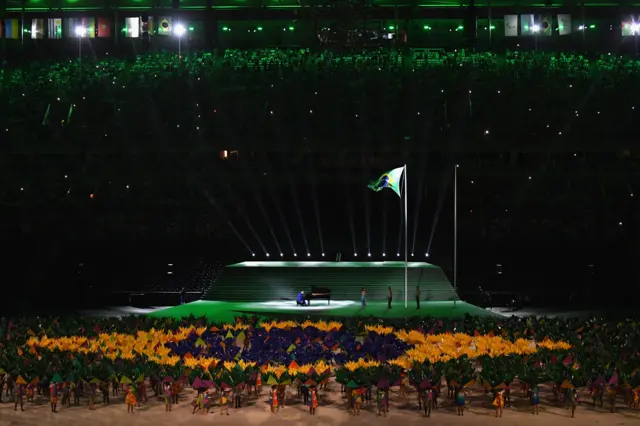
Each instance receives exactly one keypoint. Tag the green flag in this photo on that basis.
(389, 180)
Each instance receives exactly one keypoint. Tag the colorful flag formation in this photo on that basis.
(389, 180)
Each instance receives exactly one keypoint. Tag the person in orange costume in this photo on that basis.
(498, 402)
(131, 399)
(313, 400)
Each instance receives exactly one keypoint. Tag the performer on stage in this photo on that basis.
(300, 301)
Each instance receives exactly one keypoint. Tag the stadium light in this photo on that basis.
(426, 255)
(295, 254)
(253, 254)
(322, 254)
(281, 254)
(535, 28)
(355, 254)
(369, 254)
(267, 254)
(179, 30)
(308, 254)
(80, 31)
(398, 254)
(635, 28)
(384, 254)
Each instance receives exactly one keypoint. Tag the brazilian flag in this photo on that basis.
(389, 180)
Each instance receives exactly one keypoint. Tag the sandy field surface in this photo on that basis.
(332, 412)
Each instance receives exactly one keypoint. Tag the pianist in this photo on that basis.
(300, 300)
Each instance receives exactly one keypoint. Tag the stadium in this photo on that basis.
(264, 209)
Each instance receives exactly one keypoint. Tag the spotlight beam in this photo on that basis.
(384, 226)
(297, 204)
(241, 209)
(261, 205)
(222, 213)
(350, 212)
(315, 204)
(417, 214)
(436, 217)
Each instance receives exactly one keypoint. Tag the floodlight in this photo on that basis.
(535, 28)
(179, 30)
(81, 31)
(267, 254)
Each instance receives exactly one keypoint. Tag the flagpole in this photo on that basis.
(455, 234)
(406, 243)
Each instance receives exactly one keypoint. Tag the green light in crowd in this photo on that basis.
(592, 26)
(391, 27)
(191, 28)
(259, 28)
(460, 28)
(492, 27)
(426, 27)
(225, 29)
(291, 28)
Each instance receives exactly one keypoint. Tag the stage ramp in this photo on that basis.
(268, 281)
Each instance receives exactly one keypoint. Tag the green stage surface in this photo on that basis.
(218, 311)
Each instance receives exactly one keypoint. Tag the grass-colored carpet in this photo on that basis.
(218, 311)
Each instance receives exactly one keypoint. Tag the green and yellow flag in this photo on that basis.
(389, 180)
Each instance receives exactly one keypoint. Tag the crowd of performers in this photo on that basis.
(69, 393)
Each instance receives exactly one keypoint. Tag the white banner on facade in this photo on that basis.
(564, 24)
(511, 25)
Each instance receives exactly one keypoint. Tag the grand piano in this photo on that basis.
(318, 293)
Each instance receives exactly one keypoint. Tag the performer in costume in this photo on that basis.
(427, 402)
(198, 403)
(206, 402)
(534, 399)
(53, 395)
(363, 298)
(273, 399)
(18, 392)
(573, 401)
(130, 399)
(460, 401)
(168, 397)
(498, 402)
(30, 392)
(224, 403)
(313, 400)
(301, 301)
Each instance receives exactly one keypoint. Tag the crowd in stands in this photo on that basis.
(118, 140)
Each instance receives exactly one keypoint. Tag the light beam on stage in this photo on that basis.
(315, 203)
(436, 217)
(297, 205)
(417, 213)
(274, 196)
(213, 202)
(384, 226)
(350, 211)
